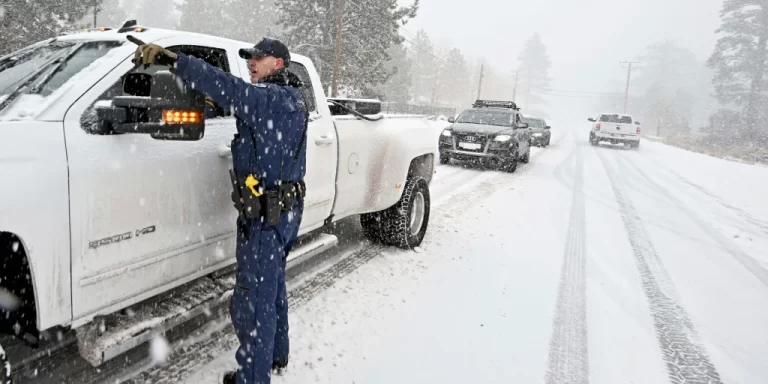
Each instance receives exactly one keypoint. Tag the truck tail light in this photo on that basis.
(638, 130)
(597, 126)
(181, 117)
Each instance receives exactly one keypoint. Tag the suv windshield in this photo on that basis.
(621, 119)
(36, 64)
(486, 117)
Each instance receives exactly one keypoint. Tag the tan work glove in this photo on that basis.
(151, 54)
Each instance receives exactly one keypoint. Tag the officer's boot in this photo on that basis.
(230, 377)
(279, 366)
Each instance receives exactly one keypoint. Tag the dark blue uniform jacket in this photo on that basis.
(270, 119)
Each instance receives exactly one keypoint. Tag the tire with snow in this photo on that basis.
(510, 165)
(5, 368)
(403, 225)
(444, 159)
(592, 139)
(527, 158)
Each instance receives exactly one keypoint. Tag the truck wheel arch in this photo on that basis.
(16, 277)
(422, 166)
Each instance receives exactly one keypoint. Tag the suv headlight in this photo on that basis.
(502, 138)
(446, 133)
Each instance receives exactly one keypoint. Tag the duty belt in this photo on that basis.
(253, 201)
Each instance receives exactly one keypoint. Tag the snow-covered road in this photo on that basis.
(590, 264)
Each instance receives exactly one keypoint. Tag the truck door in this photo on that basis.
(147, 215)
(322, 151)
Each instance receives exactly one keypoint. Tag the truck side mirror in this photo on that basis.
(637, 122)
(158, 105)
(547, 127)
(451, 120)
(591, 119)
(522, 125)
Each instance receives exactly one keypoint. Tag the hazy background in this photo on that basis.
(426, 57)
(586, 40)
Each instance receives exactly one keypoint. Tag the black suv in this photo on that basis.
(489, 132)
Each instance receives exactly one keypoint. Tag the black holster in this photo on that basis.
(269, 204)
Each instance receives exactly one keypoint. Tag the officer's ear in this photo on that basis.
(279, 63)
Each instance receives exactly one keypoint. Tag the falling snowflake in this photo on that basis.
(2, 11)
(279, 136)
(270, 124)
(159, 349)
(142, 201)
(8, 301)
(15, 246)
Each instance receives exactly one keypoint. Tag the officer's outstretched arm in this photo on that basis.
(227, 91)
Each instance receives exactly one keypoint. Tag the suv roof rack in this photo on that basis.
(495, 104)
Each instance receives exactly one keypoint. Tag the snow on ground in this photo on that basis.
(600, 264)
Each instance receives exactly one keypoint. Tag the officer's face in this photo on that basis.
(262, 67)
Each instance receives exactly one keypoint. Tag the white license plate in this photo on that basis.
(473, 146)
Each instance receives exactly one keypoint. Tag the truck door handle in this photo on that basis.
(324, 140)
(225, 151)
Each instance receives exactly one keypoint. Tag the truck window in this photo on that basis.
(306, 90)
(620, 119)
(214, 56)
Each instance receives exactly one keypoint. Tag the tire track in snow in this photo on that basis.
(746, 216)
(686, 359)
(568, 348)
(747, 261)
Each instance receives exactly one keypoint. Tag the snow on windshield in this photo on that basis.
(73, 70)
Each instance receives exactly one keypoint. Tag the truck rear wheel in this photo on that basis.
(403, 225)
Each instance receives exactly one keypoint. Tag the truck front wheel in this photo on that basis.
(403, 225)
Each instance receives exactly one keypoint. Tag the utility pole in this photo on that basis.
(337, 62)
(626, 91)
(480, 86)
(514, 90)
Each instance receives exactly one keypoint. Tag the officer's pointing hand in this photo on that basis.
(150, 54)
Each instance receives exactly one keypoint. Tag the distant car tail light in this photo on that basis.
(597, 126)
(181, 117)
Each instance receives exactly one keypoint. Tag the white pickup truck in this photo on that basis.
(95, 218)
(615, 128)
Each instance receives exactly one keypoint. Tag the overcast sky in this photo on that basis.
(586, 39)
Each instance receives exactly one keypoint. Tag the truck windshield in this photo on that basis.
(63, 58)
(621, 119)
(486, 117)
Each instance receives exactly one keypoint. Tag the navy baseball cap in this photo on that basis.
(267, 47)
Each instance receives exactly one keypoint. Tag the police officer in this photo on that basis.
(269, 161)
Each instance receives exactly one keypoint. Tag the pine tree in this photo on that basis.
(369, 28)
(739, 61)
(534, 71)
(253, 20)
(197, 16)
(160, 13)
(674, 83)
(110, 14)
(453, 79)
(398, 87)
(24, 22)
(424, 66)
